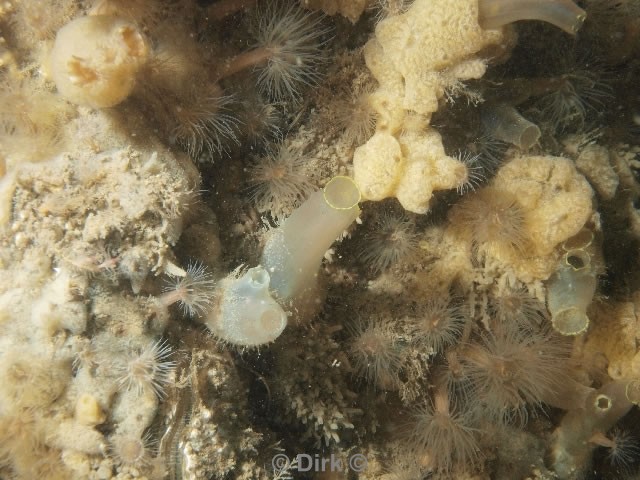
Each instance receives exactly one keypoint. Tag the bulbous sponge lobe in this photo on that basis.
(533, 205)
(95, 60)
(410, 51)
(557, 198)
(410, 168)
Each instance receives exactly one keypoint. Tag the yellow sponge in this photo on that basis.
(95, 60)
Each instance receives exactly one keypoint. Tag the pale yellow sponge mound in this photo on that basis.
(557, 199)
(88, 411)
(415, 57)
(409, 168)
(378, 166)
(95, 60)
(518, 223)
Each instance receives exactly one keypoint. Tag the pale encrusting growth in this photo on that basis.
(32, 383)
(87, 338)
(29, 108)
(39, 22)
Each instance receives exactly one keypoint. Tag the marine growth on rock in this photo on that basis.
(312, 239)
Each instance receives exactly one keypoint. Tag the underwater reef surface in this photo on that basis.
(319, 239)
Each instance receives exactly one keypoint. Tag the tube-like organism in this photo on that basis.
(294, 251)
(503, 122)
(570, 291)
(563, 14)
(246, 313)
(572, 448)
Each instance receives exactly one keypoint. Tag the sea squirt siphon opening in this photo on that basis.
(571, 321)
(341, 193)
